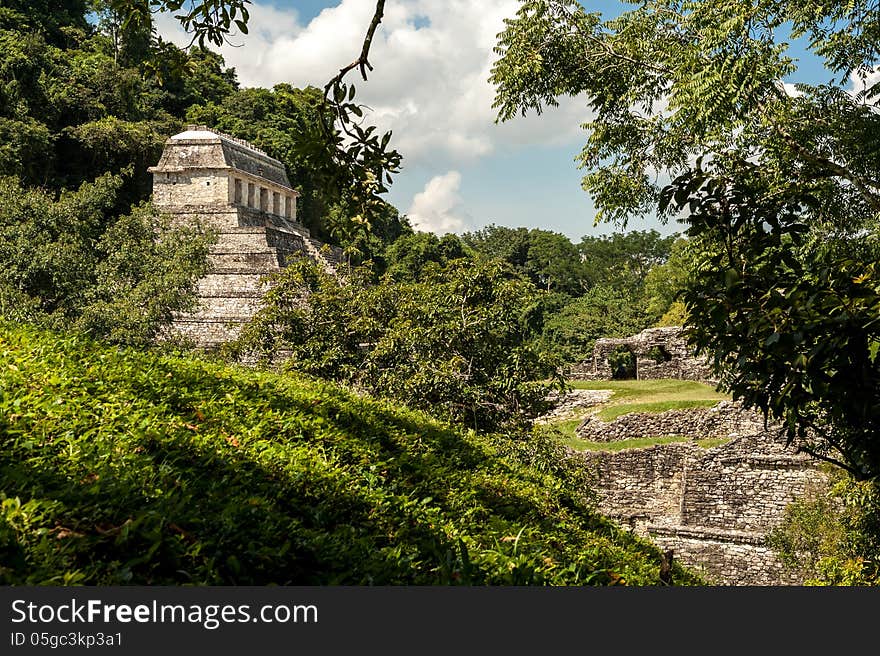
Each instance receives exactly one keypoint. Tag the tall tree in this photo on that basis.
(46, 17)
(780, 185)
(548, 259)
(459, 343)
(623, 259)
(665, 282)
(409, 256)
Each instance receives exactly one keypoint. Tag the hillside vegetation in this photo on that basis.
(118, 466)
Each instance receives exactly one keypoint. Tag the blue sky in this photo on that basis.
(461, 171)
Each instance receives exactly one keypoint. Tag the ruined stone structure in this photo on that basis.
(570, 404)
(245, 195)
(657, 353)
(712, 507)
(724, 419)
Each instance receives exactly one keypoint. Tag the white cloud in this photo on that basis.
(439, 208)
(862, 82)
(431, 58)
(791, 90)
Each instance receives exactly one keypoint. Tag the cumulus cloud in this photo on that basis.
(439, 207)
(430, 86)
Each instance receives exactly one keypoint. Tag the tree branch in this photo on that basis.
(362, 61)
(575, 24)
(819, 456)
(864, 185)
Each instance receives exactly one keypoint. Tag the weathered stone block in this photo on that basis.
(713, 507)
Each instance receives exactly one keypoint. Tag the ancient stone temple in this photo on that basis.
(246, 197)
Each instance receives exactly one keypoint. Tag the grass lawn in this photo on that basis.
(639, 396)
(612, 412)
(650, 391)
(651, 395)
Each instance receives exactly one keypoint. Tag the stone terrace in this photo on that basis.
(712, 507)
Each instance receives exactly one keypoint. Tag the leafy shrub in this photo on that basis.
(72, 262)
(832, 535)
(604, 311)
(458, 343)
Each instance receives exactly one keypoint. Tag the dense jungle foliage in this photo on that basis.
(86, 106)
(103, 457)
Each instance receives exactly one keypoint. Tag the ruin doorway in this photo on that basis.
(622, 361)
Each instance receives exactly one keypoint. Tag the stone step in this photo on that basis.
(324, 255)
(266, 261)
(229, 284)
(287, 242)
(212, 319)
(288, 225)
(218, 308)
(245, 230)
(239, 271)
(208, 333)
(251, 240)
(237, 247)
(222, 293)
(708, 533)
(220, 219)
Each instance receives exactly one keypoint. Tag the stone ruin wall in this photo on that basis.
(725, 419)
(679, 362)
(725, 557)
(184, 189)
(712, 507)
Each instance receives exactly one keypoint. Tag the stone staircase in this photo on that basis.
(242, 258)
(327, 256)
